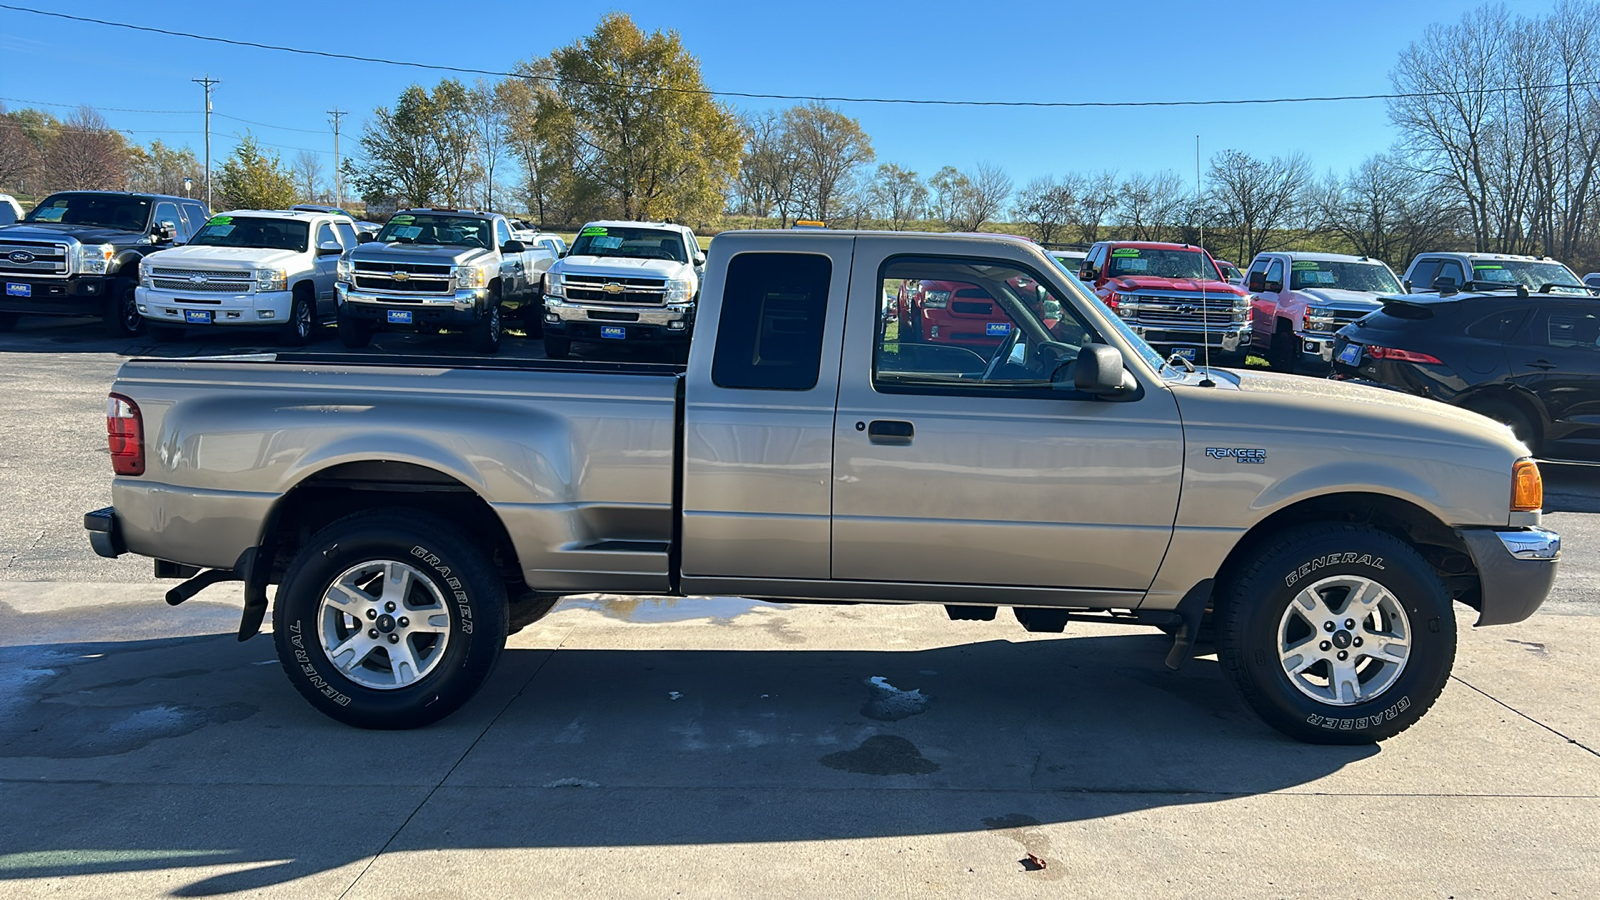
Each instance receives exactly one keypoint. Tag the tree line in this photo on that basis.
(1499, 122)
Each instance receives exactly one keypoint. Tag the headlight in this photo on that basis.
(553, 286)
(935, 299)
(469, 277)
(272, 280)
(97, 258)
(344, 271)
(680, 290)
(1320, 319)
(144, 273)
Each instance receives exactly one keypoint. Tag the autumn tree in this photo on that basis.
(542, 166)
(631, 114)
(160, 169)
(898, 195)
(422, 152)
(254, 178)
(827, 149)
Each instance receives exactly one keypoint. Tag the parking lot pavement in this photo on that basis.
(725, 748)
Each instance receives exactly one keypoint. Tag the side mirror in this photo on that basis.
(513, 246)
(1407, 285)
(165, 232)
(365, 238)
(329, 248)
(699, 260)
(1258, 282)
(1087, 273)
(1444, 285)
(1098, 370)
(1274, 287)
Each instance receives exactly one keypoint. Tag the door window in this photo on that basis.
(1452, 270)
(1423, 273)
(502, 233)
(1275, 275)
(974, 326)
(347, 233)
(1573, 330)
(167, 214)
(769, 337)
(325, 234)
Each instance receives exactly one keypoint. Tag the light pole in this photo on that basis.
(208, 82)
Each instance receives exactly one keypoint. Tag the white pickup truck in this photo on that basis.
(634, 282)
(1301, 300)
(249, 267)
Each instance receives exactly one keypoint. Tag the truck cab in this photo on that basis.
(77, 254)
(1172, 296)
(1301, 301)
(625, 282)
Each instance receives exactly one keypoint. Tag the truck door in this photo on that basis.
(758, 413)
(961, 465)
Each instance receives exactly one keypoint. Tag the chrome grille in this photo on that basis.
(634, 291)
(1177, 311)
(48, 259)
(201, 281)
(418, 278)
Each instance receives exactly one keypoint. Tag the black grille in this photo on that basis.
(413, 268)
(971, 308)
(415, 285)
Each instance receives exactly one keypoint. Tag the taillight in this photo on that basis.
(1527, 487)
(125, 434)
(1410, 356)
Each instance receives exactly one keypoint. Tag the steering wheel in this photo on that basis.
(1002, 354)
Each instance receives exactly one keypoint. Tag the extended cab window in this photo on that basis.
(770, 334)
(973, 324)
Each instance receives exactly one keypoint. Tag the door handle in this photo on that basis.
(1544, 364)
(885, 431)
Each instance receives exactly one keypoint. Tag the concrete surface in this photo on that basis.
(717, 747)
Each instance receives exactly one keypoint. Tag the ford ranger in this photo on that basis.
(430, 269)
(634, 282)
(412, 512)
(251, 267)
(1172, 296)
(77, 254)
(1301, 301)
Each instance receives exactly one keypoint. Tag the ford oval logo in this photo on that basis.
(20, 257)
(613, 288)
(197, 278)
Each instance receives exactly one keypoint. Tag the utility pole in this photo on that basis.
(338, 177)
(207, 82)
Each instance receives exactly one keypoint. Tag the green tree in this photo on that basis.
(631, 114)
(254, 178)
(828, 148)
(423, 152)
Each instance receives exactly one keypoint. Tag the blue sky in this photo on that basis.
(1147, 50)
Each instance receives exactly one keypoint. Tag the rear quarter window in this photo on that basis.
(769, 336)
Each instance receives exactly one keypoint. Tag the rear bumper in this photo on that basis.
(105, 535)
(80, 295)
(1516, 568)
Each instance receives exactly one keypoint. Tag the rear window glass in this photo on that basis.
(1575, 331)
(770, 334)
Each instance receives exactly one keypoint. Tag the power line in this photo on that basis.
(821, 98)
(164, 112)
(268, 125)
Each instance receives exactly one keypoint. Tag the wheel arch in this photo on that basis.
(1523, 399)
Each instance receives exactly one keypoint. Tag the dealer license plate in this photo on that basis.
(615, 332)
(400, 316)
(197, 316)
(1350, 355)
(18, 290)
(1184, 353)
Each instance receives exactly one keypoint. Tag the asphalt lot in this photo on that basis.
(723, 748)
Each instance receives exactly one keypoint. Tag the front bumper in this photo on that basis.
(583, 322)
(166, 308)
(1230, 339)
(1317, 348)
(463, 307)
(78, 295)
(1516, 568)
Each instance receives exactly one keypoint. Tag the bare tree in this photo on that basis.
(19, 156)
(307, 171)
(767, 170)
(1096, 196)
(489, 133)
(88, 155)
(827, 148)
(963, 202)
(1147, 204)
(542, 163)
(1256, 198)
(1045, 204)
(898, 194)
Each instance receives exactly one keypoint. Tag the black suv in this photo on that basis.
(1531, 362)
(77, 253)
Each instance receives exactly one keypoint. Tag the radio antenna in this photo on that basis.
(1200, 229)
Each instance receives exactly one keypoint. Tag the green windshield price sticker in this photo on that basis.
(1125, 251)
(592, 230)
(221, 220)
(1304, 264)
(1488, 267)
(401, 220)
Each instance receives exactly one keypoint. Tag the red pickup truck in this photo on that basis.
(962, 313)
(1172, 296)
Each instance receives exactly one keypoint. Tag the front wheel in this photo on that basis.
(121, 314)
(389, 619)
(1337, 634)
(557, 347)
(486, 333)
(354, 333)
(302, 324)
(1284, 353)
(9, 320)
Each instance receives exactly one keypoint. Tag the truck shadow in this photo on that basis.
(165, 755)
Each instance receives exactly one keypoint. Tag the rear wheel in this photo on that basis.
(354, 333)
(557, 347)
(1337, 634)
(9, 321)
(121, 314)
(389, 619)
(302, 324)
(1510, 415)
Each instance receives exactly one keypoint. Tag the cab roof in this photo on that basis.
(299, 215)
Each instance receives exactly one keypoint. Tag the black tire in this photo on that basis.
(678, 354)
(9, 320)
(354, 333)
(1284, 353)
(163, 333)
(1253, 611)
(533, 317)
(486, 332)
(1512, 416)
(302, 324)
(467, 584)
(121, 316)
(557, 347)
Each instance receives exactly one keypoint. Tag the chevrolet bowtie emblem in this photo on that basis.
(613, 288)
(197, 278)
(400, 276)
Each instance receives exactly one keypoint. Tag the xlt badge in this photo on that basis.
(1253, 455)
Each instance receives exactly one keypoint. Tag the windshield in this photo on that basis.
(1141, 261)
(635, 243)
(116, 211)
(253, 232)
(452, 231)
(1145, 351)
(1370, 277)
(1508, 273)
